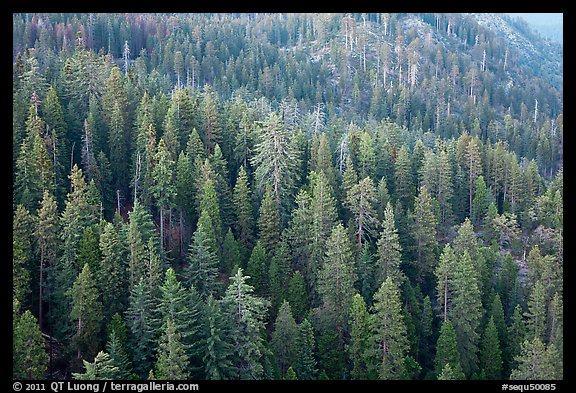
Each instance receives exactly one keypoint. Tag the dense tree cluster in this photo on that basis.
(270, 196)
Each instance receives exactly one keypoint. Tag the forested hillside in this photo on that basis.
(286, 196)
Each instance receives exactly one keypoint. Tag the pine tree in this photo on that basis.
(29, 357)
(366, 156)
(447, 351)
(304, 361)
(336, 278)
(324, 162)
(140, 230)
(245, 314)
(210, 116)
(242, 199)
(283, 338)
(269, 224)
(172, 360)
(101, 369)
(448, 374)
(87, 314)
(490, 352)
(359, 338)
(445, 276)
(217, 343)
(389, 343)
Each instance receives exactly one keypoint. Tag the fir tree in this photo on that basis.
(202, 270)
(360, 201)
(217, 343)
(269, 223)
(447, 351)
(389, 251)
(490, 352)
(424, 232)
(101, 369)
(245, 317)
(172, 360)
(336, 278)
(304, 360)
(359, 338)
(389, 343)
(111, 277)
(297, 296)
(537, 362)
(29, 357)
(257, 268)
(86, 313)
(242, 199)
(283, 338)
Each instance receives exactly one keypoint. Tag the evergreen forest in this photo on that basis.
(365, 196)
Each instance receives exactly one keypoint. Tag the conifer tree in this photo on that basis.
(279, 274)
(22, 255)
(184, 198)
(359, 337)
(490, 352)
(447, 351)
(143, 321)
(389, 251)
(283, 338)
(360, 201)
(274, 159)
(424, 232)
(516, 333)
(86, 314)
(217, 343)
(537, 362)
(29, 357)
(101, 369)
(389, 343)
(536, 314)
(466, 313)
(210, 205)
(46, 235)
(163, 188)
(119, 356)
(403, 185)
(231, 253)
(304, 360)
(336, 278)
(111, 276)
(202, 269)
(257, 268)
(242, 199)
(172, 360)
(245, 314)
(298, 296)
(269, 224)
